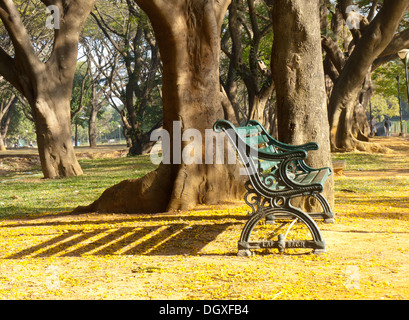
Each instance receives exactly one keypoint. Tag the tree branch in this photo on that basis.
(372, 11)
(49, 2)
(63, 58)
(102, 26)
(333, 52)
(150, 6)
(382, 60)
(220, 9)
(400, 41)
(8, 70)
(23, 47)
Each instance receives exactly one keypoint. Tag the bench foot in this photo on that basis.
(299, 233)
(245, 253)
(329, 220)
(319, 251)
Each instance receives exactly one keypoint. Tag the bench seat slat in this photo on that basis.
(316, 176)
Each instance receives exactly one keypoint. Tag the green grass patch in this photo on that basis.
(362, 161)
(23, 193)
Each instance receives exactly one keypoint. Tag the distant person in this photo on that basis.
(387, 124)
(372, 123)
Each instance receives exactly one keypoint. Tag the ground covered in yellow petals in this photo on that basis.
(192, 255)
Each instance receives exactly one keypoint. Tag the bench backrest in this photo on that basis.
(248, 141)
(255, 136)
(275, 169)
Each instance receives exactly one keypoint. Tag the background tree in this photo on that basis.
(128, 33)
(21, 129)
(385, 100)
(8, 102)
(382, 107)
(47, 83)
(348, 66)
(90, 93)
(247, 44)
(81, 97)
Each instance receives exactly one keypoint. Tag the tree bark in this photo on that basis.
(299, 79)
(235, 59)
(47, 86)
(7, 107)
(188, 35)
(54, 140)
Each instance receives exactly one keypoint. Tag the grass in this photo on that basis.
(25, 194)
(362, 161)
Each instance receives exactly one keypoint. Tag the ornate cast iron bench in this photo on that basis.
(277, 174)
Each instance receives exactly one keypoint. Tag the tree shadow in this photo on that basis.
(165, 235)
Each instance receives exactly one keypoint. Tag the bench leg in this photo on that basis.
(244, 253)
(299, 233)
(328, 215)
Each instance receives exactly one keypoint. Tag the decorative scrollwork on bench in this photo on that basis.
(253, 199)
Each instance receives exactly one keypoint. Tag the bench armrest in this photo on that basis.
(221, 125)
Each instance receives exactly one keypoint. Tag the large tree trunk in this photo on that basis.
(299, 79)
(187, 32)
(54, 140)
(378, 34)
(47, 86)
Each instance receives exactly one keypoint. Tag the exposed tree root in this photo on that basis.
(371, 147)
(149, 194)
(360, 143)
(162, 190)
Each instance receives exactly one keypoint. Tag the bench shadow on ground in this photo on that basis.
(165, 235)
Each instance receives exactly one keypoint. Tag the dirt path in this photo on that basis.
(192, 255)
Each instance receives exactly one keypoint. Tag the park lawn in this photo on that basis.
(46, 253)
(24, 193)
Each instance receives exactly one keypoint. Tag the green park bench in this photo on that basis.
(277, 174)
